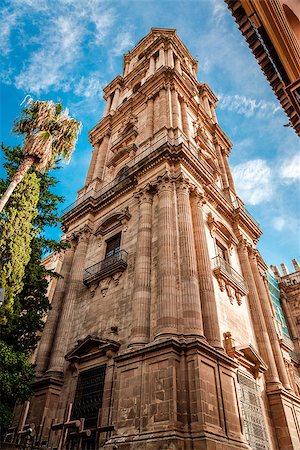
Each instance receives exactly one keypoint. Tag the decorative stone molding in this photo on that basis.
(104, 284)
(183, 184)
(113, 221)
(145, 194)
(92, 347)
(218, 228)
(229, 279)
(165, 182)
(246, 355)
(116, 277)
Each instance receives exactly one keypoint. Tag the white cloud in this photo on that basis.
(290, 169)
(253, 181)
(48, 66)
(218, 10)
(90, 86)
(123, 42)
(8, 20)
(66, 31)
(248, 107)
(279, 223)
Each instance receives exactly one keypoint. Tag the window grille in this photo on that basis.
(88, 396)
(252, 413)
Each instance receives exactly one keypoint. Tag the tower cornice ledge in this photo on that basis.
(116, 82)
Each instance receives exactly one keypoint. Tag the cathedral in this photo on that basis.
(162, 333)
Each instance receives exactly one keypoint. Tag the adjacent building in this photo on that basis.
(271, 28)
(162, 333)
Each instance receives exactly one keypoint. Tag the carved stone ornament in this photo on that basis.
(116, 277)
(113, 221)
(104, 284)
(93, 288)
(230, 292)
(246, 355)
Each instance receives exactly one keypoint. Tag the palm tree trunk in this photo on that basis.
(18, 176)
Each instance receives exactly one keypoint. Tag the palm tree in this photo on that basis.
(50, 133)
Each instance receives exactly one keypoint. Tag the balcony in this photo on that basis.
(239, 206)
(106, 268)
(148, 151)
(229, 279)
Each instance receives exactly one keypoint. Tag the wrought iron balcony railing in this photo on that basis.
(238, 204)
(106, 267)
(149, 149)
(224, 270)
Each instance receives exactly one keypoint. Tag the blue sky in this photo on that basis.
(69, 50)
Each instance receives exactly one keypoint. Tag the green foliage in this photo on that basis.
(15, 376)
(19, 336)
(16, 235)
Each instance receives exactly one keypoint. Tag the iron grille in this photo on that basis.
(252, 412)
(88, 396)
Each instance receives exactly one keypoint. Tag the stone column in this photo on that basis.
(191, 306)
(185, 120)
(163, 111)
(260, 329)
(222, 167)
(115, 99)
(166, 267)
(206, 105)
(268, 315)
(178, 66)
(170, 58)
(156, 114)
(141, 300)
(151, 65)
(175, 109)
(228, 172)
(91, 170)
(161, 58)
(206, 286)
(213, 114)
(46, 342)
(107, 106)
(290, 321)
(150, 118)
(100, 162)
(75, 287)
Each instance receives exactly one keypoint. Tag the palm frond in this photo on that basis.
(49, 131)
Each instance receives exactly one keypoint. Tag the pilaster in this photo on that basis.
(267, 312)
(207, 294)
(141, 299)
(46, 342)
(191, 306)
(167, 283)
(75, 286)
(257, 316)
(101, 157)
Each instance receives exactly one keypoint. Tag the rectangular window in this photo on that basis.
(252, 412)
(88, 395)
(221, 251)
(113, 246)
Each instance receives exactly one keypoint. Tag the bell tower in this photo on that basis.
(161, 333)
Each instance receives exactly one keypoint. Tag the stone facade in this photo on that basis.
(161, 333)
(272, 30)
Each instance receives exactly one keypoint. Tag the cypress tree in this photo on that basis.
(26, 304)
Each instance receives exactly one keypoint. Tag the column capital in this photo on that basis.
(164, 182)
(145, 194)
(83, 234)
(243, 243)
(183, 184)
(198, 197)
